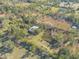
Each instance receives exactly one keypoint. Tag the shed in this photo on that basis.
(33, 29)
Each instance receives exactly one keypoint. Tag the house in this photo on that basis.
(32, 30)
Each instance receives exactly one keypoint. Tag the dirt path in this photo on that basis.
(61, 24)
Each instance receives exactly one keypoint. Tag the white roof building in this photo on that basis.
(33, 28)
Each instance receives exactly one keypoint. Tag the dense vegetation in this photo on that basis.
(38, 29)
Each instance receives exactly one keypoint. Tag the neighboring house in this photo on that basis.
(33, 29)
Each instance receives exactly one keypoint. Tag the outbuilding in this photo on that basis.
(33, 29)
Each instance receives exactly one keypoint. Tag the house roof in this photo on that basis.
(34, 27)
